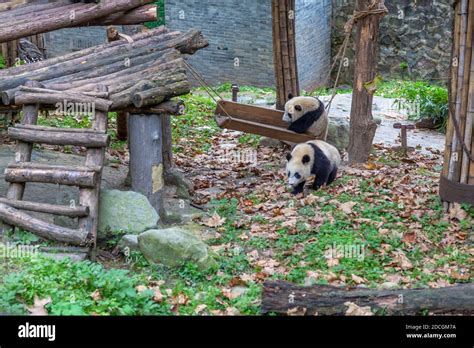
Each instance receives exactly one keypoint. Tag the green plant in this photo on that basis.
(3, 64)
(423, 100)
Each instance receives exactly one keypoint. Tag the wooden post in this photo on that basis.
(284, 50)
(146, 157)
(23, 151)
(362, 124)
(113, 35)
(90, 197)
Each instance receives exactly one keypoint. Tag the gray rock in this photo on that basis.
(338, 133)
(174, 246)
(129, 241)
(125, 212)
(270, 142)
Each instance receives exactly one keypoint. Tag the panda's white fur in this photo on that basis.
(306, 115)
(314, 157)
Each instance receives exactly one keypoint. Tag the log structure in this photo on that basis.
(284, 298)
(140, 74)
(137, 75)
(457, 179)
(44, 16)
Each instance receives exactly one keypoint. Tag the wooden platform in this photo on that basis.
(256, 120)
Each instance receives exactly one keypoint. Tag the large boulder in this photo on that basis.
(338, 133)
(174, 246)
(125, 212)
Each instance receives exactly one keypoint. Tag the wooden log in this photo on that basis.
(252, 113)
(139, 15)
(74, 15)
(452, 87)
(14, 217)
(462, 89)
(95, 94)
(146, 158)
(284, 50)
(170, 107)
(85, 139)
(469, 101)
(61, 98)
(282, 297)
(51, 176)
(31, 172)
(154, 96)
(362, 124)
(23, 150)
(53, 209)
(273, 132)
(30, 165)
(164, 87)
(121, 123)
(56, 129)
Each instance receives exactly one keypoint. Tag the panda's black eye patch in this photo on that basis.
(298, 108)
(297, 175)
(289, 174)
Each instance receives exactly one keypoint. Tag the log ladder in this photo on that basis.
(86, 177)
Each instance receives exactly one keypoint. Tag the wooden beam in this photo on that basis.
(43, 229)
(59, 138)
(281, 298)
(54, 209)
(264, 130)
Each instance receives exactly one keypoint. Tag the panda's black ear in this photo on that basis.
(306, 159)
(288, 157)
(298, 108)
(290, 96)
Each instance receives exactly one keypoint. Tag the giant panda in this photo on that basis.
(306, 115)
(315, 157)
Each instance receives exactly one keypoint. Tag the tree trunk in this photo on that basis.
(362, 124)
(285, 298)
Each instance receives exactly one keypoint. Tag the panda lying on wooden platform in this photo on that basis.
(306, 115)
(314, 157)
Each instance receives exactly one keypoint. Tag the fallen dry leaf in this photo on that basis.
(38, 306)
(215, 220)
(355, 310)
(96, 295)
(347, 207)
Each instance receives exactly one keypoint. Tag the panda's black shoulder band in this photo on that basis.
(302, 124)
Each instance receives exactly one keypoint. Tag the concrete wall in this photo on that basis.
(313, 41)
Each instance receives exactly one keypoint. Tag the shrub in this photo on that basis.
(422, 100)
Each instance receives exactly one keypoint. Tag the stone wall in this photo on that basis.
(415, 35)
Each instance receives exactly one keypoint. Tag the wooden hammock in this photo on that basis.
(256, 120)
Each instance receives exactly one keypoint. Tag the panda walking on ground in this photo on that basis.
(314, 157)
(306, 115)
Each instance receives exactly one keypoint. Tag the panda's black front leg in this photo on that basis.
(299, 188)
(321, 179)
